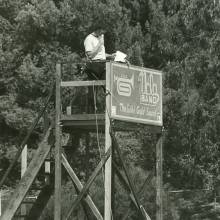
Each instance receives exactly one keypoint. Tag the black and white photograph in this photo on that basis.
(109, 109)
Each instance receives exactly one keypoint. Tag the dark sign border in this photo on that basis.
(127, 118)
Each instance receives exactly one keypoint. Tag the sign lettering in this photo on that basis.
(136, 94)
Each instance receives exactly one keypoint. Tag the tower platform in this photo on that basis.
(89, 122)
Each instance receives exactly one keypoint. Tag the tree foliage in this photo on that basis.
(179, 37)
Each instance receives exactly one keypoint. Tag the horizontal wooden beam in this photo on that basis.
(82, 117)
(83, 121)
(82, 83)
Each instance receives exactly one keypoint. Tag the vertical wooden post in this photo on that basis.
(57, 193)
(46, 121)
(159, 180)
(113, 184)
(23, 169)
(0, 202)
(24, 160)
(47, 171)
(47, 167)
(108, 164)
(87, 137)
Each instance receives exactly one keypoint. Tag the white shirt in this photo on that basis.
(90, 43)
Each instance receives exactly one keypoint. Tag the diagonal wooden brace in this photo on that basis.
(127, 214)
(84, 204)
(124, 182)
(131, 184)
(88, 184)
(127, 187)
(79, 186)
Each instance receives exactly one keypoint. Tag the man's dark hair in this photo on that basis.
(98, 26)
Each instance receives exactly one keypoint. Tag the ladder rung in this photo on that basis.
(20, 216)
(36, 188)
(28, 202)
(49, 160)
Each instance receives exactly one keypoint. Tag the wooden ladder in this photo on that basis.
(28, 178)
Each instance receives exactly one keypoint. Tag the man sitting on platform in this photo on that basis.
(95, 53)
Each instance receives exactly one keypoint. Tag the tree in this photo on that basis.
(179, 37)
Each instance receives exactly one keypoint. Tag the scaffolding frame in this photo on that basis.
(110, 147)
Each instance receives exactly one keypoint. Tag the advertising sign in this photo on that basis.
(136, 94)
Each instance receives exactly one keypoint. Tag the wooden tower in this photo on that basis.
(133, 94)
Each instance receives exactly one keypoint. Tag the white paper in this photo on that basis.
(120, 57)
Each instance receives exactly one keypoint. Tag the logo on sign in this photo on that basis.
(148, 89)
(124, 85)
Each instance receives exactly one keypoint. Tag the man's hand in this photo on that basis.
(101, 40)
(113, 55)
(110, 56)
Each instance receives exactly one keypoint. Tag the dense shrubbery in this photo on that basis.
(179, 37)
